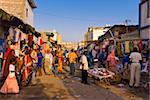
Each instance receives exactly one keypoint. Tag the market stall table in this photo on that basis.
(102, 74)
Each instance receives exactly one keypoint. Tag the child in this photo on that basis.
(10, 85)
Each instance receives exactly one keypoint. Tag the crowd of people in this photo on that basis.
(18, 71)
(32, 62)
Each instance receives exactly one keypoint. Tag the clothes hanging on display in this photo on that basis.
(140, 46)
(122, 48)
(131, 46)
(30, 40)
(16, 35)
(127, 49)
(135, 42)
(118, 49)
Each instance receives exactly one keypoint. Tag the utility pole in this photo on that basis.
(126, 24)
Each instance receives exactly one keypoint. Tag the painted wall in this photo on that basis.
(28, 13)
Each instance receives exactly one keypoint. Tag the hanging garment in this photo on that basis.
(122, 48)
(135, 42)
(127, 49)
(30, 39)
(140, 46)
(118, 49)
(131, 46)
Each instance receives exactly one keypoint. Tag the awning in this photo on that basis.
(8, 20)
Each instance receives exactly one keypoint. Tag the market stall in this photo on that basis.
(101, 73)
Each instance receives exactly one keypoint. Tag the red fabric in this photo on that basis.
(7, 53)
(140, 46)
(30, 39)
(111, 58)
(41, 41)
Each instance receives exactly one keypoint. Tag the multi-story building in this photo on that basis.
(94, 33)
(59, 39)
(22, 9)
(144, 19)
(45, 36)
(70, 45)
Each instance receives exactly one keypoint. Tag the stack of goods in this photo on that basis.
(99, 72)
(103, 72)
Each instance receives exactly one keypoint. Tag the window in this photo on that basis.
(26, 12)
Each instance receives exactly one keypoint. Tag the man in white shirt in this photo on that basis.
(84, 67)
(135, 69)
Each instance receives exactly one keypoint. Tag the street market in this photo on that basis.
(38, 65)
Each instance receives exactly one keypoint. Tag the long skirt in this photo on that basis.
(60, 66)
(47, 66)
(10, 86)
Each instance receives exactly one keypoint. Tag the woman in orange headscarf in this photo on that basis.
(60, 59)
(112, 61)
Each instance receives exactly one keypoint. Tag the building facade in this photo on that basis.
(57, 37)
(94, 33)
(22, 9)
(144, 19)
(70, 45)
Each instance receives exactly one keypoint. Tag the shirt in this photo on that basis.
(40, 56)
(11, 70)
(135, 57)
(72, 57)
(84, 63)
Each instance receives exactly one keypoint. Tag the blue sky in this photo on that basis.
(71, 18)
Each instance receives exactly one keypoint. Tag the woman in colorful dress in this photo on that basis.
(60, 61)
(27, 65)
(8, 56)
(10, 85)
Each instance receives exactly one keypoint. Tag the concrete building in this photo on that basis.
(22, 9)
(94, 33)
(70, 45)
(117, 31)
(57, 37)
(144, 19)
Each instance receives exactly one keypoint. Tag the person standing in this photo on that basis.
(72, 61)
(40, 57)
(47, 62)
(10, 85)
(84, 67)
(55, 64)
(10, 54)
(34, 60)
(60, 60)
(135, 68)
(27, 65)
(112, 61)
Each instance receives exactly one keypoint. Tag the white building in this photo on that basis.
(94, 33)
(144, 19)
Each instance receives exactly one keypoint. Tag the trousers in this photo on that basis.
(72, 68)
(135, 70)
(84, 76)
